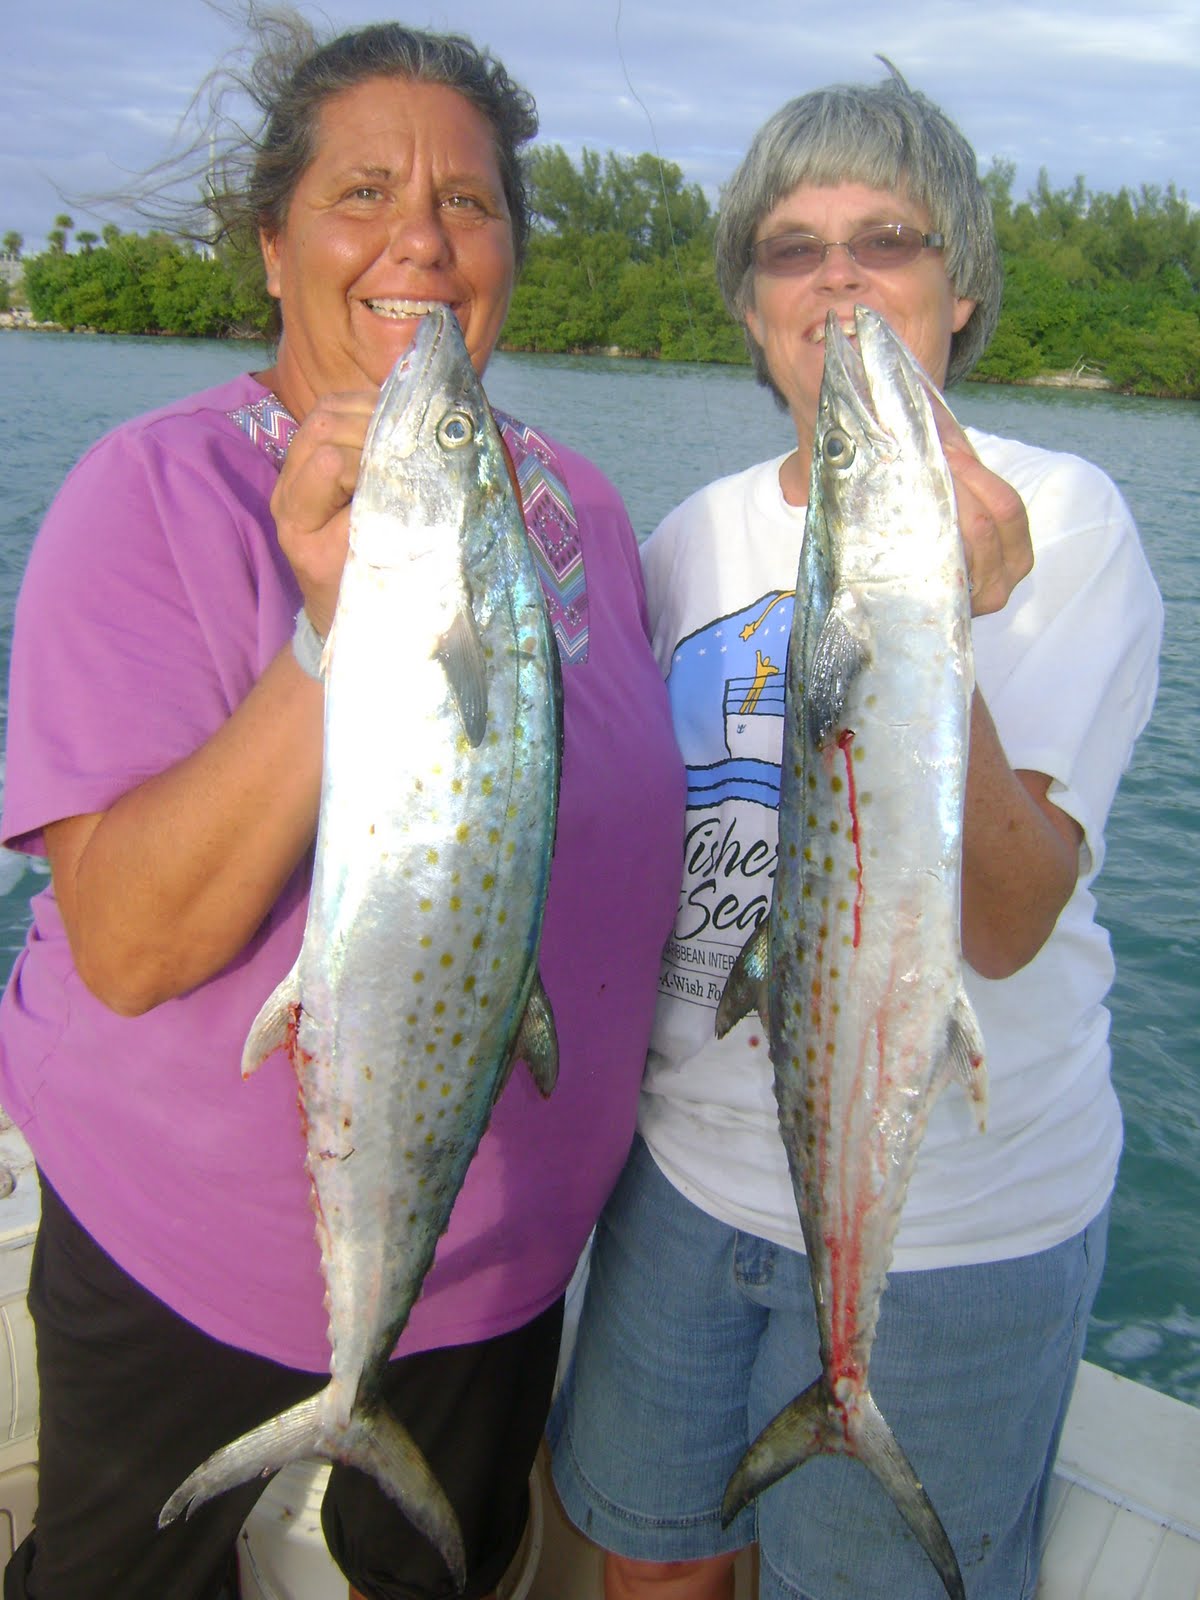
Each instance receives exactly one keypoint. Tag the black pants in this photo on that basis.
(133, 1398)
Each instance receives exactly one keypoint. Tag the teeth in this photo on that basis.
(848, 328)
(402, 308)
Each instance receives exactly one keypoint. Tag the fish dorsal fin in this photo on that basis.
(461, 653)
(746, 986)
(964, 1046)
(537, 1040)
(270, 1029)
(837, 659)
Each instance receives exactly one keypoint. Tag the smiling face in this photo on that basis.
(402, 206)
(786, 316)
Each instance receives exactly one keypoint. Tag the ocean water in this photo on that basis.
(661, 430)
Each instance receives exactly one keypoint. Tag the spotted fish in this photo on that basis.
(857, 971)
(416, 986)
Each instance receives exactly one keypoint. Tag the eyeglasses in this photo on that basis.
(795, 255)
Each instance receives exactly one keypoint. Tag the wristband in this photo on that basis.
(308, 647)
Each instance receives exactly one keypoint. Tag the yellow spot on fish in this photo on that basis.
(425, 941)
(432, 857)
(438, 1008)
(456, 1039)
(424, 905)
(489, 881)
(486, 786)
(455, 903)
(421, 1084)
(418, 977)
(447, 958)
(468, 983)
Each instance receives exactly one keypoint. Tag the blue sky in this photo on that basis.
(92, 90)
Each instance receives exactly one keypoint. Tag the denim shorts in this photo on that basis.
(693, 1336)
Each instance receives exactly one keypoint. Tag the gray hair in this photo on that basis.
(886, 136)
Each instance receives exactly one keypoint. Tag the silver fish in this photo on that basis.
(857, 971)
(416, 987)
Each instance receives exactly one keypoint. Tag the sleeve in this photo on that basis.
(113, 677)
(1069, 669)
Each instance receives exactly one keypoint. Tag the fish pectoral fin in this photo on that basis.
(964, 1045)
(837, 659)
(537, 1040)
(461, 654)
(269, 1030)
(745, 989)
(288, 1437)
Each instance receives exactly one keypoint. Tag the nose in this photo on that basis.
(418, 234)
(839, 270)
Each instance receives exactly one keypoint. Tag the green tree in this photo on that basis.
(13, 243)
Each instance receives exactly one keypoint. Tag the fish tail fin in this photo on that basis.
(377, 1444)
(290, 1436)
(371, 1440)
(965, 1045)
(803, 1429)
(745, 989)
(876, 1447)
(813, 1424)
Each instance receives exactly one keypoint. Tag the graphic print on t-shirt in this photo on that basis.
(726, 687)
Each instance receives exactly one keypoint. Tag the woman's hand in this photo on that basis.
(311, 502)
(991, 518)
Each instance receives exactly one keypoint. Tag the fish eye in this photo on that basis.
(455, 430)
(838, 448)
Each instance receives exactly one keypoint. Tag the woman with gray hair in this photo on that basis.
(698, 1326)
(165, 753)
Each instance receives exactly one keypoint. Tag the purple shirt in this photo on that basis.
(155, 596)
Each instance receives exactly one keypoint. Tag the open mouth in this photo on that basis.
(817, 335)
(401, 310)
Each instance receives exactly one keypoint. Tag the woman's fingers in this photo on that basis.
(995, 530)
(312, 498)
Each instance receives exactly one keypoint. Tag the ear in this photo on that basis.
(963, 309)
(268, 243)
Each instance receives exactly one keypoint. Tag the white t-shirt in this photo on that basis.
(1069, 671)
